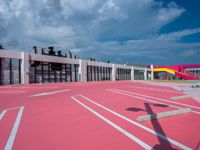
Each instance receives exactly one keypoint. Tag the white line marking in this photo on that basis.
(132, 137)
(18, 107)
(139, 125)
(131, 94)
(13, 134)
(123, 93)
(2, 114)
(154, 89)
(49, 93)
(158, 98)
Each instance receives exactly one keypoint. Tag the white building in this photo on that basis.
(22, 68)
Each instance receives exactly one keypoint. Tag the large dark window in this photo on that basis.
(123, 74)
(96, 73)
(46, 72)
(10, 71)
(138, 75)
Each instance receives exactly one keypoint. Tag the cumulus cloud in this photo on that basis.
(165, 48)
(179, 34)
(97, 27)
(48, 21)
(189, 53)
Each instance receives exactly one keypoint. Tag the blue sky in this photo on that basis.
(133, 31)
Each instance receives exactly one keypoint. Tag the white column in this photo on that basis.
(113, 72)
(25, 68)
(152, 73)
(145, 73)
(132, 73)
(82, 71)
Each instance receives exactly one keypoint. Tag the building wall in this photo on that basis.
(110, 71)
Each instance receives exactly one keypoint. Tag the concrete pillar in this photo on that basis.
(152, 73)
(145, 73)
(113, 72)
(132, 73)
(25, 68)
(82, 71)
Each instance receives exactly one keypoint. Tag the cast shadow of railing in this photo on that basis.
(198, 146)
(164, 144)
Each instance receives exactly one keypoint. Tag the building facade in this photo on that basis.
(18, 67)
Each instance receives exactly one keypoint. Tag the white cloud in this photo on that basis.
(160, 48)
(188, 53)
(170, 12)
(93, 27)
(26, 20)
(45, 32)
(179, 34)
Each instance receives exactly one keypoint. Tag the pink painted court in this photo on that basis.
(96, 116)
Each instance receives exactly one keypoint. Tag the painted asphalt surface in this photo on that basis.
(95, 116)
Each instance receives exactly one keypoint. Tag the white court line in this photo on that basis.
(18, 107)
(139, 125)
(133, 95)
(49, 93)
(123, 93)
(154, 101)
(160, 99)
(13, 133)
(126, 133)
(154, 89)
(2, 114)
